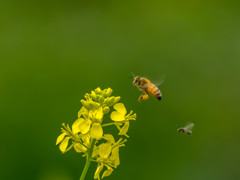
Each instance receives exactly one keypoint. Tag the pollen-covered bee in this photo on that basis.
(146, 87)
(187, 129)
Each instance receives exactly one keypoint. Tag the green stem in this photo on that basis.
(88, 160)
(108, 124)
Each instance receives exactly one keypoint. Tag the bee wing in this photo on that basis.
(159, 80)
(189, 126)
(156, 81)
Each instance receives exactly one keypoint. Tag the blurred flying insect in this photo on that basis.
(146, 87)
(187, 129)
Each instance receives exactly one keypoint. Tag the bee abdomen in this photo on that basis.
(159, 95)
(152, 89)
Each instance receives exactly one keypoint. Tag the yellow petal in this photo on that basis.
(84, 126)
(124, 129)
(104, 150)
(96, 131)
(99, 114)
(115, 156)
(79, 148)
(109, 138)
(82, 111)
(75, 126)
(86, 139)
(60, 138)
(64, 144)
(120, 108)
(95, 151)
(117, 116)
(98, 171)
(108, 172)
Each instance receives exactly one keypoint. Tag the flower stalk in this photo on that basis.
(88, 161)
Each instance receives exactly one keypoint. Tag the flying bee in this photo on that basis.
(146, 87)
(187, 129)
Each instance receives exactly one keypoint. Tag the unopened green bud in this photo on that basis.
(106, 100)
(106, 110)
(104, 91)
(94, 105)
(115, 100)
(98, 90)
(108, 92)
(100, 99)
(94, 96)
(110, 100)
(87, 96)
(85, 104)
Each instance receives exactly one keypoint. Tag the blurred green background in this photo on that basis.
(53, 52)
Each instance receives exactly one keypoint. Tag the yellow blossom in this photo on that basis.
(96, 115)
(82, 147)
(86, 134)
(119, 116)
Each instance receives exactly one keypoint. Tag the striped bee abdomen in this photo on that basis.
(152, 89)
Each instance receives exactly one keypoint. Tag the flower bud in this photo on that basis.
(94, 96)
(110, 100)
(105, 100)
(85, 104)
(108, 92)
(106, 110)
(94, 105)
(98, 90)
(115, 100)
(87, 96)
(100, 99)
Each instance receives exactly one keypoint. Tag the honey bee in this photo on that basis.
(187, 129)
(146, 87)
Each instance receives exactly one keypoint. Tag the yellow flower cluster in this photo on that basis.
(87, 135)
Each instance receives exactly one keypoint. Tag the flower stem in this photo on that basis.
(88, 160)
(108, 124)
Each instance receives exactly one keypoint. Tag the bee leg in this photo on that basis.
(144, 96)
(140, 98)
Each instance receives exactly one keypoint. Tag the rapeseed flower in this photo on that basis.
(121, 118)
(87, 136)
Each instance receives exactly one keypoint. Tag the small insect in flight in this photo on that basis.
(187, 129)
(146, 87)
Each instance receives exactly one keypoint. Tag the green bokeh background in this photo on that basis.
(53, 52)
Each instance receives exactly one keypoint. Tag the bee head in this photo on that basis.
(180, 130)
(135, 80)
